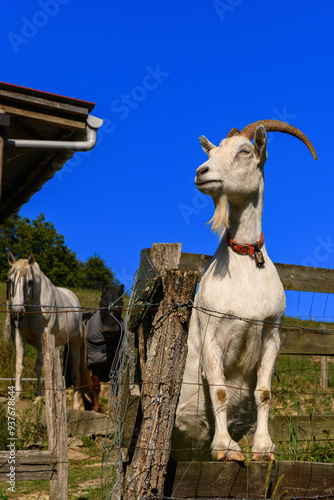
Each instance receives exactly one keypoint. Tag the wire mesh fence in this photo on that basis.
(301, 412)
(302, 406)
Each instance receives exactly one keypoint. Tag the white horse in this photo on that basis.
(36, 306)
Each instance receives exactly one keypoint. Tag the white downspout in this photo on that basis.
(92, 125)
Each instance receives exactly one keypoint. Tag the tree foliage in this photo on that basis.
(56, 260)
(96, 273)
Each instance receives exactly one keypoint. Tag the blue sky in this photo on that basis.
(162, 74)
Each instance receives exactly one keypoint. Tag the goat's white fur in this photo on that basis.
(230, 362)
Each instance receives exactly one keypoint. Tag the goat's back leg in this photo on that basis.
(263, 448)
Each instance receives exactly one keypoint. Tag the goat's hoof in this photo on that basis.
(235, 456)
(228, 455)
(263, 457)
(219, 455)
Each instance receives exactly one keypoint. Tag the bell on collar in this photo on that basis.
(259, 258)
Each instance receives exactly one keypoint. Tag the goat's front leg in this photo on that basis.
(263, 448)
(20, 342)
(223, 447)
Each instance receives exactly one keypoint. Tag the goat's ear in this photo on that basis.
(206, 144)
(260, 142)
(11, 259)
(31, 259)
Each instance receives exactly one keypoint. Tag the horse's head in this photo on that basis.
(20, 284)
(111, 304)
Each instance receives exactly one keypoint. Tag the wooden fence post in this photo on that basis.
(324, 372)
(55, 407)
(162, 339)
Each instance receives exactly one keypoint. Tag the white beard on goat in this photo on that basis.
(233, 339)
(220, 217)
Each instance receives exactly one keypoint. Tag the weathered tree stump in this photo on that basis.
(162, 343)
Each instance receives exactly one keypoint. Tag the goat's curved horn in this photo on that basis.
(232, 132)
(278, 126)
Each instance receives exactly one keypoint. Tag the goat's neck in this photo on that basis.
(245, 220)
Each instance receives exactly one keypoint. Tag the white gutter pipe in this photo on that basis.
(92, 124)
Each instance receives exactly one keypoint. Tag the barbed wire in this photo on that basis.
(154, 306)
(173, 383)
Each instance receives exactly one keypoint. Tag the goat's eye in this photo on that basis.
(244, 152)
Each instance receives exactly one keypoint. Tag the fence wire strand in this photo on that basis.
(302, 399)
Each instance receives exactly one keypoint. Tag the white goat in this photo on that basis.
(230, 361)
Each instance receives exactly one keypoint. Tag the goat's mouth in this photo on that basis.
(209, 186)
(206, 183)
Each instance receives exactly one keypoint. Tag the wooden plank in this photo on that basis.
(147, 282)
(306, 427)
(17, 89)
(30, 465)
(38, 102)
(305, 342)
(72, 123)
(129, 405)
(298, 278)
(257, 480)
(194, 262)
(306, 279)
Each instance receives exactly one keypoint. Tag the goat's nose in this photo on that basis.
(202, 171)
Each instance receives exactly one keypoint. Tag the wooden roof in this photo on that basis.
(36, 115)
